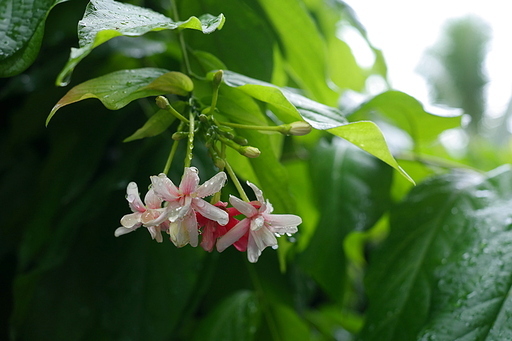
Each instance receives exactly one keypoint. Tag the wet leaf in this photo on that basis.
(107, 19)
(445, 272)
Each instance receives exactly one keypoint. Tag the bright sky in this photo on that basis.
(403, 29)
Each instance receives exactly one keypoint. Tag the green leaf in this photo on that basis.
(445, 271)
(106, 19)
(303, 47)
(155, 125)
(352, 191)
(367, 136)
(115, 90)
(288, 324)
(236, 318)
(22, 33)
(408, 114)
(287, 105)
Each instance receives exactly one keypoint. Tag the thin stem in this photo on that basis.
(181, 39)
(190, 144)
(251, 127)
(238, 186)
(177, 114)
(171, 156)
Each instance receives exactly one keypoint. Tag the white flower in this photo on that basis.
(184, 201)
(261, 225)
(149, 215)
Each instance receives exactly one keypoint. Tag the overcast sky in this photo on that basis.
(403, 29)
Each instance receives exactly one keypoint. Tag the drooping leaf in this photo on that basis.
(367, 136)
(445, 271)
(115, 90)
(106, 19)
(352, 191)
(22, 32)
(409, 115)
(236, 318)
(155, 125)
(287, 105)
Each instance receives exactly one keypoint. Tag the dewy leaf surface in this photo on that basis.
(106, 19)
(445, 271)
(21, 32)
(117, 89)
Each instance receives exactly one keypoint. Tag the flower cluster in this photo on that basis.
(183, 214)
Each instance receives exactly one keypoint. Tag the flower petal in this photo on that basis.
(189, 181)
(233, 235)
(209, 211)
(263, 238)
(253, 251)
(243, 207)
(190, 223)
(282, 223)
(179, 235)
(208, 237)
(124, 230)
(152, 200)
(257, 192)
(131, 220)
(212, 186)
(164, 187)
(132, 195)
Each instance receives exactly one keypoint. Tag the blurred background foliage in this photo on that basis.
(65, 276)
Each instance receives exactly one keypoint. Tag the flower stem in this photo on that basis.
(181, 39)
(171, 156)
(252, 127)
(238, 186)
(190, 144)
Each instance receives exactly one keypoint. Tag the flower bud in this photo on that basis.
(249, 151)
(162, 102)
(240, 140)
(179, 135)
(217, 78)
(299, 128)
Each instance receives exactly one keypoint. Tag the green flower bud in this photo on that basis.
(162, 102)
(298, 128)
(217, 78)
(249, 151)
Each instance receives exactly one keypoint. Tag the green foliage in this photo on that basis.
(445, 265)
(374, 258)
(22, 33)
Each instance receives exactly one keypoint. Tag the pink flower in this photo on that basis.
(211, 230)
(184, 201)
(149, 215)
(260, 224)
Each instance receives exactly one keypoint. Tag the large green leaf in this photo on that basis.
(352, 191)
(237, 318)
(106, 19)
(115, 90)
(303, 47)
(287, 105)
(367, 136)
(408, 114)
(445, 271)
(22, 32)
